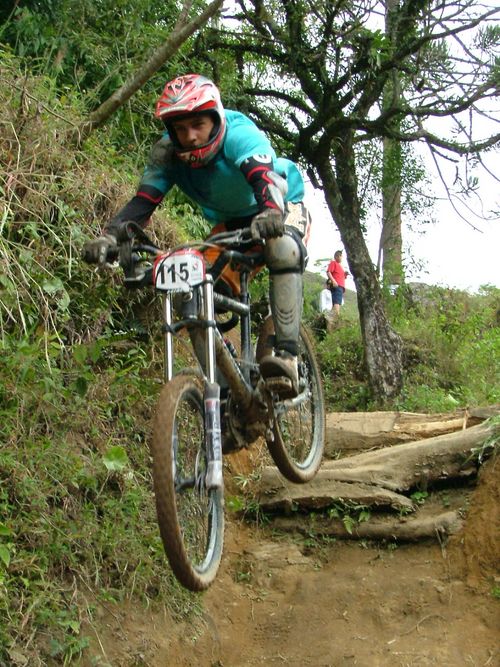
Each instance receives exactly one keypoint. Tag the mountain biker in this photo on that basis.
(222, 161)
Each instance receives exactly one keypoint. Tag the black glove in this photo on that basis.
(96, 251)
(268, 224)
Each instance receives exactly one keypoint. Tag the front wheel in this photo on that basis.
(297, 441)
(190, 516)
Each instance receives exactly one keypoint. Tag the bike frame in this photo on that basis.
(197, 313)
(187, 437)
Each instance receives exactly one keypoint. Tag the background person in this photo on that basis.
(222, 161)
(325, 299)
(337, 275)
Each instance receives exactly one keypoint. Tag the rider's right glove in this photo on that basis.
(268, 224)
(100, 250)
(96, 251)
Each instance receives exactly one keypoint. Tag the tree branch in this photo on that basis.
(181, 33)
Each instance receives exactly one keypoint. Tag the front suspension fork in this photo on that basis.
(211, 397)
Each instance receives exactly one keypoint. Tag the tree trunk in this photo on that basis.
(275, 494)
(391, 242)
(402, 529)
(181, 32)
(382, 345)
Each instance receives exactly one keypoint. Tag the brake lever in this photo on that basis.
(125, 258)
(241, 236)
(132, 231)
(131, 239)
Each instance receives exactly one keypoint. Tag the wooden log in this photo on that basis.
(477, 415)
(380, 477)
(351, 432)
(276, 494)
(407, 465)
(404, 529)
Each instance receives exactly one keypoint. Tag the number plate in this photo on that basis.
(179, 271)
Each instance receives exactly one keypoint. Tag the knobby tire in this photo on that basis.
(190, 517)
(298, 432)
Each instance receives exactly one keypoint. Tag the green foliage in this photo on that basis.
(451, 339)
(402, 166)
(351, 514)
(194, 225)
(372, 47)
(419, 497)
(450, 342)
(341, 358)
(246, 504)
(87, 44)
(89, 49)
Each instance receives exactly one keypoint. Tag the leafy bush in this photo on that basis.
(341, 358)
(451, 342)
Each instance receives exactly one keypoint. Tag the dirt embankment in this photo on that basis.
(291, 600)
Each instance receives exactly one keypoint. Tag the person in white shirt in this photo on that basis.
(325, 299)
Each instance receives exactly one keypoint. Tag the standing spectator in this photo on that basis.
(325, 299)
(337, 275)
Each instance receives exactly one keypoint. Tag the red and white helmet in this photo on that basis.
(187, 95)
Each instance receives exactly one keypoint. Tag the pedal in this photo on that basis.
(280, 385)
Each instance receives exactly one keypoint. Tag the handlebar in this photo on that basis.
(133, 243)
(141, 242)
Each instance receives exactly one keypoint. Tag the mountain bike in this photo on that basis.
(221, 403)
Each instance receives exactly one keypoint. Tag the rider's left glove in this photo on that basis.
(97, 251)
(268, 224)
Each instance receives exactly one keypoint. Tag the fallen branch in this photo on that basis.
(380, 477)
(378, 480)
(405, 466)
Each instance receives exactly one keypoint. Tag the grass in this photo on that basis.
(77, 516)
(449, 341)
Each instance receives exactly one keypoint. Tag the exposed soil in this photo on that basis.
(283, 600)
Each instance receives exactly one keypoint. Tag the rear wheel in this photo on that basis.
(190, 517)
(299, 424)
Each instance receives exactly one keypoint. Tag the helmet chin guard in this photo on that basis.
(189, 95)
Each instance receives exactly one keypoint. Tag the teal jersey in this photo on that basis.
(219, 187)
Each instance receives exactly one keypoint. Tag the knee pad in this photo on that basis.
(285, 254)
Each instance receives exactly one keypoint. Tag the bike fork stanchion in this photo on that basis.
(213, 478)
(209, 317)
(169, 339)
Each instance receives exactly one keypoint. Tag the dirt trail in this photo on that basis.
(289, 601)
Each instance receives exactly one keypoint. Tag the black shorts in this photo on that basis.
(337, 295)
